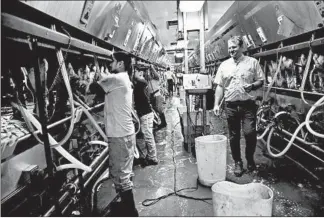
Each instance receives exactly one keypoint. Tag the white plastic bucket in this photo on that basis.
(211, 158)
(253, 199)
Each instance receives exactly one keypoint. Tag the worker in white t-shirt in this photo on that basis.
(171, 79)
(118, 91)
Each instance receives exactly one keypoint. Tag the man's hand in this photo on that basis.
(216, 110)
(138, 74)
(248, 88)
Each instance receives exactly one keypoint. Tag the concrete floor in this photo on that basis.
(295, 193)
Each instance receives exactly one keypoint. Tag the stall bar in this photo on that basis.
(38, 31)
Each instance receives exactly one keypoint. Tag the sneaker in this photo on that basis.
(251, 167)
(238, 171)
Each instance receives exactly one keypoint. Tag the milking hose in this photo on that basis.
(283, 152)
(307, 122)
(320, 102)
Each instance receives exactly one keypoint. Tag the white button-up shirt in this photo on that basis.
(234, 75)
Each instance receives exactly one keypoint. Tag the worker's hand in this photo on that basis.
(248, 88)
(216, 110)
(138, 74)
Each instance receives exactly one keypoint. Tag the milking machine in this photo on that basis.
(284, 115)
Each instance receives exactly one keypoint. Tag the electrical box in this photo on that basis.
(196, 81)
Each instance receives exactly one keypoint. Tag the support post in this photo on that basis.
(202, 39)
(185, 36)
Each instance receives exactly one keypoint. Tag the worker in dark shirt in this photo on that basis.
(157, 100)
(145, 113)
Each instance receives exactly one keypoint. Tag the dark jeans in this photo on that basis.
(170, 86)
(157, 103)
(242, 112)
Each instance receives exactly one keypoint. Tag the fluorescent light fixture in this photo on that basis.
(179, 55)
(191, 6)
(181, 44)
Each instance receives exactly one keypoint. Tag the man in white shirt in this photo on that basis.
(171, 80)
(238, 77)
(120, 128)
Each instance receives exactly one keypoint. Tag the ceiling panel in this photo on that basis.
(162, 11)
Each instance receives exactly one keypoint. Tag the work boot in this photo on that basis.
(251, 166)
(238, 171)
(127, 199)
(116, 209)
(149, 162)
(140, 161)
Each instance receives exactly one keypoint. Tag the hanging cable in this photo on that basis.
(150, 202)
(57, 74)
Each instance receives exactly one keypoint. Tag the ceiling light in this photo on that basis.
(191, 6)
(181, 44)
(179, 55)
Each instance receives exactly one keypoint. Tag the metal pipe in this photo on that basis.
(96, 171)
(297, 137)
(185, 35)
(28, 27)
(54, 124)
(102, 178)
(72, 201)
(307, 152)
(296, 162)
(94, 165)
(40, 90)
(202, 39)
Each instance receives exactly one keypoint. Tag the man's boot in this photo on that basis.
(251, 166)
(238, 171)
(116, 209)
(127, 199)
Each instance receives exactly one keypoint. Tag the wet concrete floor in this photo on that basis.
(295, 192)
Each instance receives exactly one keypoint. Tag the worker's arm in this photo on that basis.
(218, 98)
(174, 78)
(219, 92)
(155, 75)
(218, 95)
(103, 86)
(139, 78)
